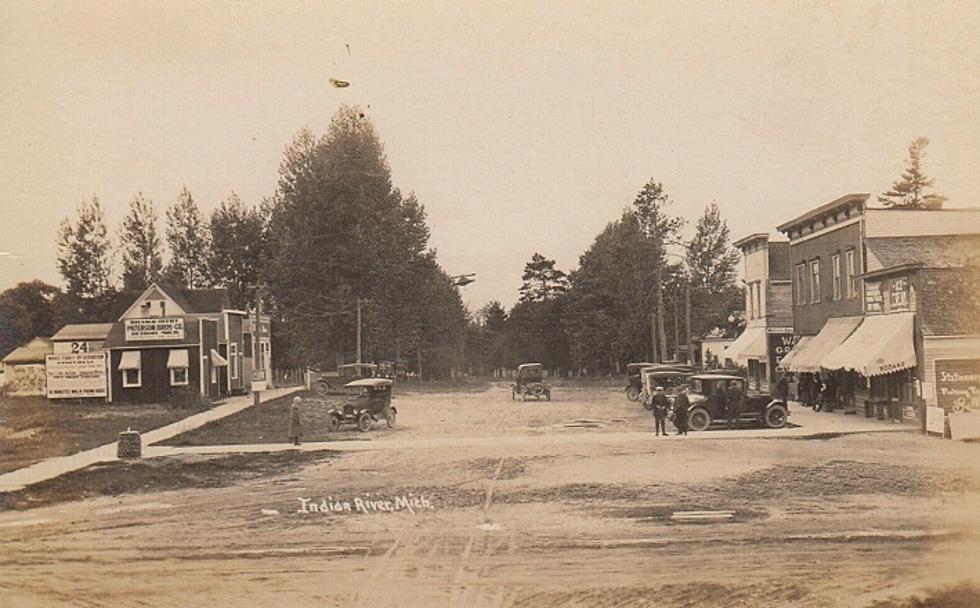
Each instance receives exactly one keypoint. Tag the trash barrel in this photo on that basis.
(130, 445)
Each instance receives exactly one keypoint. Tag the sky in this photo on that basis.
(522, 127)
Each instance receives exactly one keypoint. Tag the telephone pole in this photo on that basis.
(358, 333)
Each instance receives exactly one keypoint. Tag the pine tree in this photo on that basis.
(659, 229)
(140, 245)
(712, 265)
(83, 252)
(542, 281)
(190, 244)
(237, 247)
(909, 192)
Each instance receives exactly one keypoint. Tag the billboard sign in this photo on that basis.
(76, 376)
(958, 384)
(162, 328)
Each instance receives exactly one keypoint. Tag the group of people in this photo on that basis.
(826, 391)
(661, 407)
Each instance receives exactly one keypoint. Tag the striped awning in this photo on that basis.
(834, 332)
(881, 345)
(750, 345)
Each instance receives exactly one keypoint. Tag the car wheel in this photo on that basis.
(699, 419)
(776, 416)
(364, 422)
(390, 418)
(633, 393)
(321, 388)
(333, 423)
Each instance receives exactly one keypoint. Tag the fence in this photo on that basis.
(288, 377)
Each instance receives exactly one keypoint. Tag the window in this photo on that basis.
(800, 284)
(233, 360)
(814, 281)
(178, 376)
(758, 299)
(852, 284)
(835, 263)
(132, 378)
(163, 308)
(749, 299)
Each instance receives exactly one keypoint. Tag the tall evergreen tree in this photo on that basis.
(190, 244)
(660, 229)
(542, 281)
(140, 245)
(712, 265)
(909, 192)
(237, 248)
(83, 252)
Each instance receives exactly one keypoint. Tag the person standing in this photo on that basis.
(295, 421)
(660, 406)
(733, 403)
(681, 404)
(782, 389)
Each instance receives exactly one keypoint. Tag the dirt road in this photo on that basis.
(719, 522)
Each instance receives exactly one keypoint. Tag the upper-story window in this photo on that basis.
(758, 299)
(814, 281)
(852, 280)
(800, 292)
(749, 300)
(835, 267)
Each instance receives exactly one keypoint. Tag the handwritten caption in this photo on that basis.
(364, 505)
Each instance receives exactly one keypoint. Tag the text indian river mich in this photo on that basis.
(365, 504)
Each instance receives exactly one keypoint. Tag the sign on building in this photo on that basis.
(161, 328)
(74, 376)
(958, 384)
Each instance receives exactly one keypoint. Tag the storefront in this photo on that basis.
(806, 361)
(749, 350)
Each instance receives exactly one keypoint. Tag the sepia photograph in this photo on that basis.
(453, 304)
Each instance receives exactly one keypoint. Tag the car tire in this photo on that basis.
(390, 418)
(333, 423)
(633, 393)
(776, 416)
(321, 388)
(698, 419)
(364, 422)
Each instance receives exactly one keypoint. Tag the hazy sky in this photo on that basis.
(521, 128)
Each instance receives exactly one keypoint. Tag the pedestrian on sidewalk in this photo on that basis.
(660, 407)
(295, 421)
(733, 403)
(681, 404)
(782, 389)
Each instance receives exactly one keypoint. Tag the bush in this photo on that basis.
(187, 398)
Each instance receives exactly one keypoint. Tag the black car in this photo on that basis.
(708, 404)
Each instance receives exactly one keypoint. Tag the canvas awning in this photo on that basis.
(131, 359)
(797, 348)
(881, 345)
(750, 345)
(217, 360)
(178, 358)
(833, 333)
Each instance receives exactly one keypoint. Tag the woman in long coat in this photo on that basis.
(681, 403)
(295, 421)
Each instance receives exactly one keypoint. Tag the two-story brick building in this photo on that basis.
(769, 334)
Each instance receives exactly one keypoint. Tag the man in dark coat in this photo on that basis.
(782, 389)
(733, 402)
(660, 406)
(295, 421)
(681, 403)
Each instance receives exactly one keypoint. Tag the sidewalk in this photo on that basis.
(53, 467)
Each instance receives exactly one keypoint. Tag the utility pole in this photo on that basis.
(358, 333)
(687, 302)
(677, 329)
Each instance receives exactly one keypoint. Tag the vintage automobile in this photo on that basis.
(323, 382)
(369, 402)
(670, 379)
(634, 380)
(530, 383)
(706, 406)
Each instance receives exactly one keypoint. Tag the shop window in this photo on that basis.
(814, 281)
(800, 292)
(852, 284)
(178, 376)
(835, 263)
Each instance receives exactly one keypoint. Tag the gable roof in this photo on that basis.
(190, 301)
(32, 352)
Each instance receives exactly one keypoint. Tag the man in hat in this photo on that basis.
(295, 421)
(660, 406)
(733, 402)
(681, 404)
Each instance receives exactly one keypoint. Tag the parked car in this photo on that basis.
(530, 383)
(369, 402)
(707, 408)
(670, 379)
(325, 381)
(634, 380)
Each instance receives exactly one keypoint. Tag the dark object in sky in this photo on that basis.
(340, 84)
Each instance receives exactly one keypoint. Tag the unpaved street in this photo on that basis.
(549, 521)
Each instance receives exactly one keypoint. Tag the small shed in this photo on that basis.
(24, 373)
